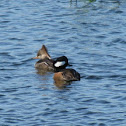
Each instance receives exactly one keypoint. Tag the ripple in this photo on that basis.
(93, 77)
(7, 69)
(103, 101)
(80, 109)
(3, 22)
(16, 39)
(93, 113)
(9, 90)
(2, 95)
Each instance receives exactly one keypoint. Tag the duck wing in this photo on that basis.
(45, 64)
(71, 75)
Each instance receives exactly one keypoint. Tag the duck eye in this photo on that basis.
(59, 63)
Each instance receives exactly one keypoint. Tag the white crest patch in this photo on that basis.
(59, 63)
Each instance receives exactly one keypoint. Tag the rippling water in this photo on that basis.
(91, 34)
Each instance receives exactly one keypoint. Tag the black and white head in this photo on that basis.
(61, 63)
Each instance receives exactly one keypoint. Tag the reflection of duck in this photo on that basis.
(46, 63)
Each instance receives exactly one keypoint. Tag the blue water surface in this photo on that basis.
(91, 33)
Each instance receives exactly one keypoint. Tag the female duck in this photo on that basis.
(45, 62)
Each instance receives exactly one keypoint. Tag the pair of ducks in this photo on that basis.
(57, 65)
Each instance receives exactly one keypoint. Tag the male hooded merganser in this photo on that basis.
(46, 63)
(64, 74)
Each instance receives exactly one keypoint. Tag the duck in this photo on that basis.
(47, 63)
(64, 74)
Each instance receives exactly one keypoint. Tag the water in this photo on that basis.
(91, 34)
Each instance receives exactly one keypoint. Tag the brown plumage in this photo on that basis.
(45, 62)
(43, 53)
(67, 75)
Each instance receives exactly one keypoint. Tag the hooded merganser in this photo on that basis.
(45, 62)
(48, 64)
(63, 74)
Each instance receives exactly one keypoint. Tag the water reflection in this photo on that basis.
(111, 4)
(71, 2)
(42, 72)
(61, 84)
(82, 0)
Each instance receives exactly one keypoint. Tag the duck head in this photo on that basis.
(60, 63)
(42, 53)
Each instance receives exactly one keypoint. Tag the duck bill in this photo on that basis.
(35, 57)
